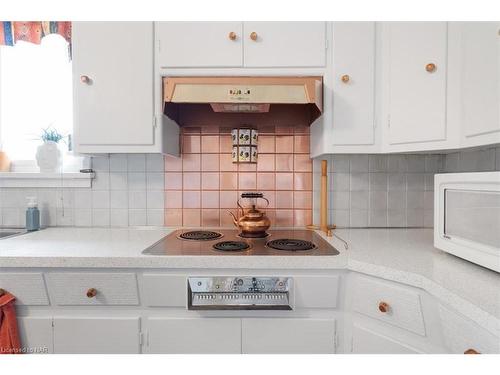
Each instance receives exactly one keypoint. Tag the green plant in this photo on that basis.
(51, 134)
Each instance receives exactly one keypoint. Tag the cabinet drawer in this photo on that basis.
(28, 288)
(110, 288)
(316, 291)
(307, 336)
(403, 309)
(461, 334)
(164, 290)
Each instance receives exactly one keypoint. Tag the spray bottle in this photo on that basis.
(32, 215)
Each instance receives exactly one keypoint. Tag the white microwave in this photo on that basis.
(467, 216)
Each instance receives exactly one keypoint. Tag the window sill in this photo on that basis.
(45, 180)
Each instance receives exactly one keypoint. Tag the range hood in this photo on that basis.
(243, 95)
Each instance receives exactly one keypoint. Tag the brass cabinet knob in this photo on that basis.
(383, 307)
(85, 79)
(253, 36)
(91, 293)
(431, 67)
(232, 35)
(345, 78)
(471, 351)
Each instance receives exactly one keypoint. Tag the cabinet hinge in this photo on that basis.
(389, 121)
(141, 338)
(155, 122)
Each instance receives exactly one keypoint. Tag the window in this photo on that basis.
(35, 93)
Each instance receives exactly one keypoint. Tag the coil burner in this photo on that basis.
(287, 244)
(200, 235)
(231, 246)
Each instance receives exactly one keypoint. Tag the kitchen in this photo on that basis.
(275, 188)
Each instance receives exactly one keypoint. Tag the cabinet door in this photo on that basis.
(481, 82)
(199, 44)
(417, 91)
(365, 341)
(196, 336)
(115, 107)
(353, 83)
(288, 336)
(36, 334)
(96, 335)
(461, 334)
(285, 44)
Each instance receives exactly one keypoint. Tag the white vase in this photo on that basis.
(48, 157)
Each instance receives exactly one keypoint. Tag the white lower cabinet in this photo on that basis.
(36, 334)
(290, 336)
(106, 335)
(462, 335)
(366, 341)
(333, 312)
(194, 335)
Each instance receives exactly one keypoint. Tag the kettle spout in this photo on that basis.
(235, 220)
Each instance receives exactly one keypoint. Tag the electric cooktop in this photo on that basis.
(292, 242)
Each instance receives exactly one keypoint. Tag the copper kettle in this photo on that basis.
(253, 223)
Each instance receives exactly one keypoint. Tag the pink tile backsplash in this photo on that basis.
(204, 183)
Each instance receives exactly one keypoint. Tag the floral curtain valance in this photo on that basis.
(32, 31)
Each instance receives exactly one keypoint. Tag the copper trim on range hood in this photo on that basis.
(244, 94)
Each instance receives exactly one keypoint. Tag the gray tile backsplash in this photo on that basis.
(476, 160)
(366, 190)
(395, 190)
(128, 191)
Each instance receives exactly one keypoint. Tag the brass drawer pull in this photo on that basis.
(345, 78)
(471, 351)
(232, 35)
(431, 67)
(253, 36)
(91, 293)
(383, 307)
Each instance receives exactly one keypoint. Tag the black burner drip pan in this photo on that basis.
(251, 235)
(231, 246)
(289, 244)
(200, 235)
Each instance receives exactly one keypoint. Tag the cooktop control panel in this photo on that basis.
(239, 293)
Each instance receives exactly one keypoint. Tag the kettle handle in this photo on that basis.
(252, 195)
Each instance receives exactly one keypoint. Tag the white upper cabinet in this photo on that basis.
(353, 69)
(200, 44)
(113, 87)
(480, 56)
(415, 62)
(241, 44)
(284, 44)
